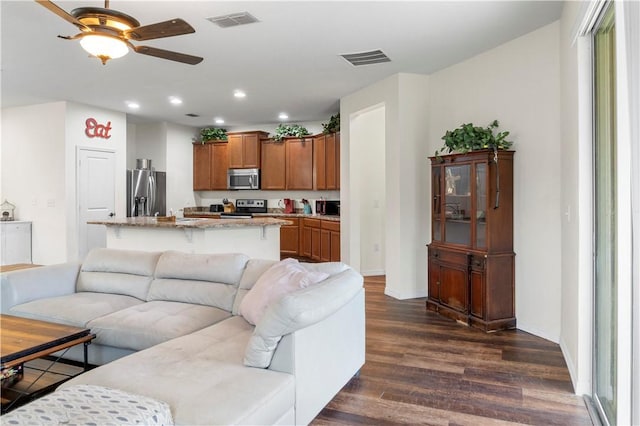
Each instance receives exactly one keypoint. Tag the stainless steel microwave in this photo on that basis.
(243, 178)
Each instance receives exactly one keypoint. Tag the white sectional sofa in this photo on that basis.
(169, 327)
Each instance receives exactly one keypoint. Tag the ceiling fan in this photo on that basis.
(107, 33)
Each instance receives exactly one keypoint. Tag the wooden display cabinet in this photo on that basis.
(470, 259)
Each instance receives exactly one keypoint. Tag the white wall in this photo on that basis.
(404, 97)
(33, 175)
(576, 324)
(151, 143)
(518, 83)
(367, 132)
(39, 170)
(179, 166)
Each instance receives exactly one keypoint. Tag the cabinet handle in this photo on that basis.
(436, 254)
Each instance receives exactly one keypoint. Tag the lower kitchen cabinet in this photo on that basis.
(320, 240)
(15, 242)
(290, 238)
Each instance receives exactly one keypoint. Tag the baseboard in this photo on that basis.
(573, 371)
(536, 332)
(373, 272)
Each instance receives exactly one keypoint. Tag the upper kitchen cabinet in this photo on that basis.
(299, 163)
(273, 170)
(244, 149)
(470, 258)
(210, 166)
(326, 161)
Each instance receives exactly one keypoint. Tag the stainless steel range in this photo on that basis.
(245, 209)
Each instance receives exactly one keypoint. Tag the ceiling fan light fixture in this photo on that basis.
(104, 46)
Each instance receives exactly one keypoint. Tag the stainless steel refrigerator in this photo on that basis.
(146, 190)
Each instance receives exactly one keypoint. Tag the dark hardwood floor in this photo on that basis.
(422, 368)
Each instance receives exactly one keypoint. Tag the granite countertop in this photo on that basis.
(152, 222)
(196, 212)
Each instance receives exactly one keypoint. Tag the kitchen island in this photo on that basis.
(257, 237)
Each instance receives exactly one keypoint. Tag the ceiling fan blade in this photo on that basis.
(167, 54)
(170, 28)
(63, 14)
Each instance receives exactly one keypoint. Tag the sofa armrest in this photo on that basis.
(323, 357)
(25, 285)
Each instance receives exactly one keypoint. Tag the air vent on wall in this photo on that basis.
(366, 58)
(233, 19)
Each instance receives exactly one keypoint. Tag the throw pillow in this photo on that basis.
(284, 277)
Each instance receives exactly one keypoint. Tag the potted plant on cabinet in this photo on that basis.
(213, 134)
(284, 130)
(468, 137)
(332, 126)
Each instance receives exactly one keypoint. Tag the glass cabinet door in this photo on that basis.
(436, 207)
(481, 205)
(457, 205)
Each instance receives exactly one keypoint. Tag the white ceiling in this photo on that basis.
(289, 61)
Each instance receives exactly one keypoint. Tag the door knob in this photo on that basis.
(112, 214)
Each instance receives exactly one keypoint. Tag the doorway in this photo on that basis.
(96, 196)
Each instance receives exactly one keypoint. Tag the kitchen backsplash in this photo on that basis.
(274, 205)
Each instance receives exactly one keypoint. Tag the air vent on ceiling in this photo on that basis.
(234, 19)
(192, 115)
(366, 58)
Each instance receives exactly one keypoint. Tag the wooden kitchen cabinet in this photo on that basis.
(290, 238)
(329, 241)
(210, 166)
(320, 240)
(273, 169)
(244, 149)
(470, 257)
(299, 163)
(326, 161)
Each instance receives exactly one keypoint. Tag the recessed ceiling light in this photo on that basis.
(175, 100)
(133, 105)
(219, 121)
(283, 116)
(239, 94)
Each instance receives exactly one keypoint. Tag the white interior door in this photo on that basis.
(96, 196)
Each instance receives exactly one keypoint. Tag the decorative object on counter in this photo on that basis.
(333, 125)
(229, 207)
(284, 130)
(213, 134)
(468, 137)
(7, 211)
(306, 206)
(288, 205)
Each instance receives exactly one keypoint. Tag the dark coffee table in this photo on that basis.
(24, 340)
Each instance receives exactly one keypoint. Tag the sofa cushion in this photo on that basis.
(76, 309)
(205, 279)
(254, 269)
(148, 324)
(281, 278)
(297, 310)
(202, 378)
(115, 271)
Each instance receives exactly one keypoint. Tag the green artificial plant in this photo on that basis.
(333, 125)
(468, 137)
(213, 133)
(284, 130)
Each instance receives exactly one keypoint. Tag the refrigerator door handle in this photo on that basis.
(151, 205)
